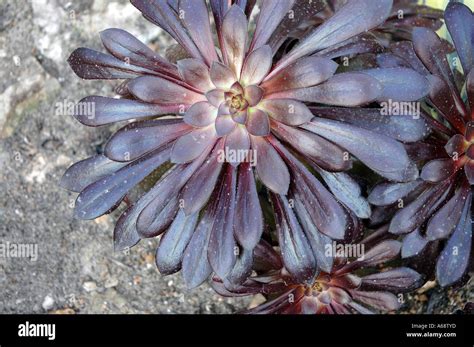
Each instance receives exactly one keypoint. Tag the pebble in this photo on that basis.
(48, 303)
(89, 286)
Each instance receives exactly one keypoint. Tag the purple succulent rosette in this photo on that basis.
(340, 290)
(290, 113)
(435, 220)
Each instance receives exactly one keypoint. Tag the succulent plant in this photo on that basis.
(342, 290)
(251, 151)
(435, 220)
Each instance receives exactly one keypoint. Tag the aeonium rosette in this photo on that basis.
(234, 98)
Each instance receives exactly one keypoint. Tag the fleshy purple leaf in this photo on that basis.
(381, 153)
(101, 196)
(85, 172)
(248, 219)
(195, 17)
(270, 167)
(295, 249)
(170, 252)
(221, 250)
(161, 91)
(139, 138)
(99, 110)
(454, 259)
(344, 89)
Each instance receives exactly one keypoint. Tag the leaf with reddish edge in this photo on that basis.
(302, 12)
(89, 64)
(347, 191)
(110, 110)
(170, 252)
(454, 258)
(328, 215)
(271, 14)
(193, 144)
(219, 9)
(253, 95)
(85, 172)
(248, 219)
(147, 218)
(139, 138)
(241, 270)
(165, 216)
(403, 128)
(316, 148)
(99, 197)
(224, 125)
(265, 257)
(286, 111)
(445, 220)
(234, 38)
(125, 233)
(201, 114)
(256, 66)
(215, 97)
(296, 251)
(405, 50)
(414, 214)
(432, 52)
(271, 169)
(165, 16)
(440, 169)
(195, 266)
(126, 47)
(381, 153)
(449, 105)
(381, 253)
(161, 91)
(381, 301)
(195, 17)
(195, 73)
(460, 21)
(305, 72)
(397, 280)
(349, 281)
(221, 76)
(400, 84)
(456, 145)
(344, 89)
(200, 186)
(413, 244)
(364, 43)
(221, 250)
(354, 18)
(237, 142)
(258, 123)
(317, 240)
(388, 193)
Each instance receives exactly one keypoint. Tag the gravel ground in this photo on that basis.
(76, 270)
